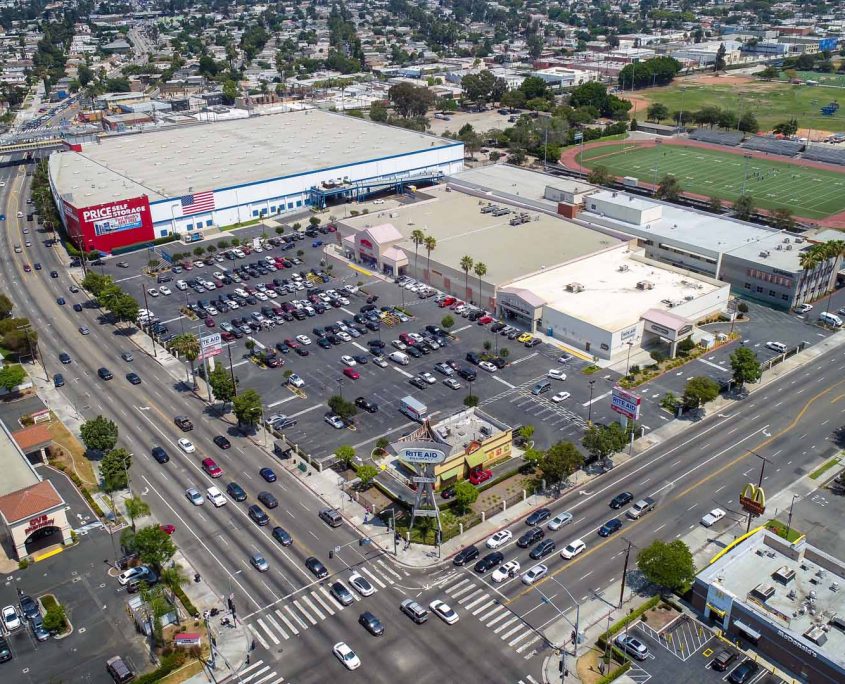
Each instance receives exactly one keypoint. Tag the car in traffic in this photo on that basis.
(209, 465)
(543, 549)
(442, 610)
(534, 574)
(620, 500)
(282, 536)
(371, 623)
(560, 520)
(572, 549)
(316, 567)
(341, 593)
(159, 454)
(465, 555)
(259, 562)
(133, 378)
(713, 517)
(610, 527)
(222, 442)
(64, 357)
(501, 538)
(488, 562)
(183, 423)
(532, 536)
(361, 584)
(104, 373)
(186, 445)
(237, 492)
(538, 516)
(346, 656)
(505, 571)
(193, 495)
(215, 496)
(268, 500)
(268, 474)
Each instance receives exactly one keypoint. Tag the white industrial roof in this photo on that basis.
(175, 161)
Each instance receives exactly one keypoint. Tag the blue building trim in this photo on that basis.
(323, 170)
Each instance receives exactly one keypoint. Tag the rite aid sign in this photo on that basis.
(423, 456)
(626, 403)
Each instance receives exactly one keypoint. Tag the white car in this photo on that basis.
(346, 655)
(295, 381)
(303, 339)
(803, 308)
(501, 538)
(361, 585)
(193, 495)
(344, 336)
(380, 361)
(187, 446)
(334, 421)
(505, 570)
(378, 201)
(165, 290)
(713, 517)
(11, 619)
(572, 549)
(560, 396)
(451, 383)
(216, 497)
(556, 374)
(443, 611)
(153, 292)
(127, 576)
(399, 344)
(489, 367)
(261, 297)
(428, 377)
(532, 575)
(348, 360)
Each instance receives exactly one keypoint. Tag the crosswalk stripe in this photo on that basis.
(471, 596)
(249, 668)
(483, 607)
(497, 618)
(373, 577)
(305, 613)
(296, 617)
(319, 600)
(531, 679)
(389, 570)
(276, 625)
(263, 681)
(269, 633)
(522, 636)
(246, 680)
(528, 643)
(462, 590)
(260, 638)
(495, 610)
(483, 597)
(281, 679)
(505, 624)
(287, 622)
(455, 586)
(316, 610)
(511, 631)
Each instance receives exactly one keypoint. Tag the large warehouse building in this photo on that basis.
(132, 189)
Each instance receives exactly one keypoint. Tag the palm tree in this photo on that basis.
(466, 265)
(417, 237)
(136, 507)
(430, 245)
(480, 270)
(188, 346)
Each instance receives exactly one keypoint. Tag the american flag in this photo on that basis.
(197, 203)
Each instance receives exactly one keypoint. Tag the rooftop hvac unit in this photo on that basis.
(779, 247)
(786, 240)
(575, 287)
(789, 248)
(799, 240)
(623, 268)
(764, 253)
(645, 285)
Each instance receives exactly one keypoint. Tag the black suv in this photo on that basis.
(104, 373)
(621, 500)
(465, 555)
(183, 423)
(467, 373)
(491, 560)
(268, 499)
(371, 623)
(538, 516)
(473, 358)
(366, 404)
(543, 549)
(258, 516)
(237, 492)
(160, 455)
(315, 566)
(533, 535)
(282, 536)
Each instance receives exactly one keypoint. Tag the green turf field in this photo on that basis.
(806, 192)
(770, 101)
(835, 79)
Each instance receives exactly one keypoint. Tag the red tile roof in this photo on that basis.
(33, 436)
(28, 502)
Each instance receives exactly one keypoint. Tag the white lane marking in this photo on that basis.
(269, 633)
(495, 610)
(462, 591)
(305, 613)
(373, 577)
(452, 588)
(483, 607)
(528, 643)
(319, 599)
(277, 626)
(248, 679)
(287, 622)
(264, 680)
(389, 570)
(522, 636)
(316, 610)
(250, 668)
(497, 618)
(469, 606)
(296, 617)
(504, 625)
(505, 636)
(260, 638)
(471, 596)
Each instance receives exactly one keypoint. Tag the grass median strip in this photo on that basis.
(822, 469)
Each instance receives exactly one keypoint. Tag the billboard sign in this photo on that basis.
(625, 403)
(116, 224)
(210, 345)
(414, 455)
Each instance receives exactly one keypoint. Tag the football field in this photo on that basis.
(807, 192)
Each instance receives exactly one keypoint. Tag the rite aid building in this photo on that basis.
(786, 601)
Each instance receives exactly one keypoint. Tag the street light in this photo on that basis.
(576, 626)
(759, 483)
(590, 405)
(630, 344)
(789, 521)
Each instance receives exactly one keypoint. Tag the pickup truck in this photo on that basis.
(640, 508)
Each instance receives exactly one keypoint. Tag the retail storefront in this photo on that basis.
(377, 248)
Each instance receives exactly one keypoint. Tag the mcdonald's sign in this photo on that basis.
(753, 499)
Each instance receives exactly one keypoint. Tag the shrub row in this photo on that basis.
(185, 601)
(169, 663)
(619, 624)
(81, 487)
(618, 672)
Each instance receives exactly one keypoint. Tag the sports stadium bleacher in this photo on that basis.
(786, 148)
(831, 155)
(730, 138)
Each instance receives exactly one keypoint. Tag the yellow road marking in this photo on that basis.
(49, 554)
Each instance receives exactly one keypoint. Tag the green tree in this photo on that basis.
(599, 175)
(345, 454)
(114, 469)
(603, 440)
(465, 495)
(99, 434)
(787, 128)
(657, 112)
(154, 546)
(480, 270)
(314, 221)
(230, 91)
(668, 565)
(669, 188)
(187, 345)
(748, 123)
(744, 207)
(700, 390)
(430, 243)
(560, 461)
(471, 401)
(95, 282)
(719, 63)
(136, 508)
(378, 112)
(782, 219)
(745, 366)
(366, 474)
(222, 384)
(526, 432)
(55, 620)
(6, 306)
(125, 307)
(343, 408)
(11, 375)
(769, 73)
(247, 408)
(466, 266)
(410, 100)
(418, 238)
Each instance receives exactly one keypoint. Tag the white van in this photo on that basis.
(779, 347)
(181, 285)
(400, 358)
(830, 319)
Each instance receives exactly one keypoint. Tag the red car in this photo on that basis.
(227, 336)
(478, 476)
(484, 320)
(27, 268)
(407, 339)
(351, 373)
(209, 466)
(169, 529)
(209, 322)
(448, 301)
(293, 344)
(456, 304)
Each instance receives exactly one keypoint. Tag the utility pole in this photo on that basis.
(232, 370)
(590, 405)
(625, 571)
(789, 521)
(149, 325)
(759, 483)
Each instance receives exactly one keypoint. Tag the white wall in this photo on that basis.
(576, 332)
(237, 204)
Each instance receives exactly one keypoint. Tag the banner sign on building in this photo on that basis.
(625, 402)
(423, 455)
(106, 219)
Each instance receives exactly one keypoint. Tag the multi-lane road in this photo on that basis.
(504, 629)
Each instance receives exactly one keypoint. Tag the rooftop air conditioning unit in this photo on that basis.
(764, 253)
(789, 248)
(645, 285)
(779, 247)
(623, 268)
(575, 287)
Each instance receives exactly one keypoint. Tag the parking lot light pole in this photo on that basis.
(590, 404)
(789, 520)
(340, 386)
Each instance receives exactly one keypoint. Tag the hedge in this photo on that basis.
(185, 601)
(619, 624)
(173, 237)
(169, 663)
(610, 676)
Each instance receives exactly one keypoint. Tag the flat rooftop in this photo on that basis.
(454, 219)
(459, 429)
(700, 230)
(812, 596)
(18, 473)
(611, 299)
(169, 163)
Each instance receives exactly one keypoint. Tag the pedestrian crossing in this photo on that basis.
(311, 606)
(257, 673)
(481, 603)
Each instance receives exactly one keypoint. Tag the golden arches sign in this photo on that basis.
(753, 499)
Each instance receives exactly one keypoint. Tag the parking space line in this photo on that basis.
(282, 401)
(595, 399)
(399, 370)
(504, 382)
(308, 410)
